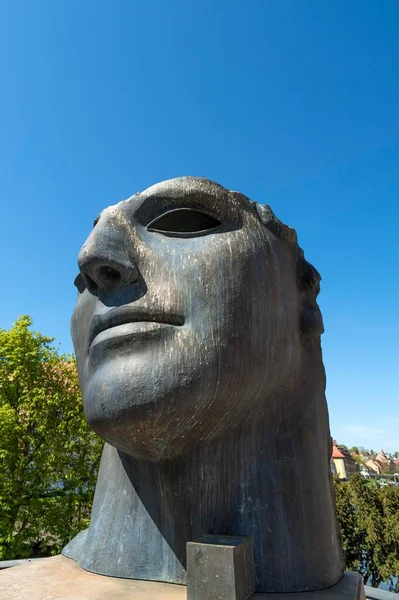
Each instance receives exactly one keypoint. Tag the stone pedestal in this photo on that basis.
(60, 578)
(220, 566)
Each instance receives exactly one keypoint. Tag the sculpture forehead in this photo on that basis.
(187, 185)
(196, 192)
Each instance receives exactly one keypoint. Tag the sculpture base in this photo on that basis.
(60, 578)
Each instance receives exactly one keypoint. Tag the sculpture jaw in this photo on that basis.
(159, 420)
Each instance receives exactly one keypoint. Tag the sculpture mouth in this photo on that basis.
(126, 315)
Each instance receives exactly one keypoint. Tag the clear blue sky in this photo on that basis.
(295, 103)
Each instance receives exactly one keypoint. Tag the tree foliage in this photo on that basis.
(369, 519)
(48, 455)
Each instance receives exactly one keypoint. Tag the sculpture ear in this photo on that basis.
(270, 220)
(311, 321)
(308, 279)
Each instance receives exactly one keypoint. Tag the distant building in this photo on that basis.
(387, 463)
(374, 466)
(345, 465)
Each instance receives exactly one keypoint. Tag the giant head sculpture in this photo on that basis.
(197, 336)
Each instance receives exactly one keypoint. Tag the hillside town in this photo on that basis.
(346, 462)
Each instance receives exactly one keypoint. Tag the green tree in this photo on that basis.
(369, 519)
(48, 455)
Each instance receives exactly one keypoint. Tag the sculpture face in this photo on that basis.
(184, 326)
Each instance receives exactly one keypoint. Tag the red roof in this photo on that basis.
(336, 453)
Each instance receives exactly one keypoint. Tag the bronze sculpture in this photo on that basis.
(197, 336)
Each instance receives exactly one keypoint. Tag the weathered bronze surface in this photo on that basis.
(197, 336)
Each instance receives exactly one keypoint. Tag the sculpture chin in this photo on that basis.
(142, 440)
(161, 422)
(148, 422)
(141, 435)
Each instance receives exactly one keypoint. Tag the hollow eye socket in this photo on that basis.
(183, 221)
(79, 283)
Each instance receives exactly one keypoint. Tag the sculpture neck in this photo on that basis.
(258, 481)
(147, 511)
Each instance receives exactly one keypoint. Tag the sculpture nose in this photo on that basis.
(106, 272)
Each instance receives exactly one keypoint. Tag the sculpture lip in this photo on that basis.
(130, 314)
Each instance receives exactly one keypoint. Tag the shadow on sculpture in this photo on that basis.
(197, 336)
